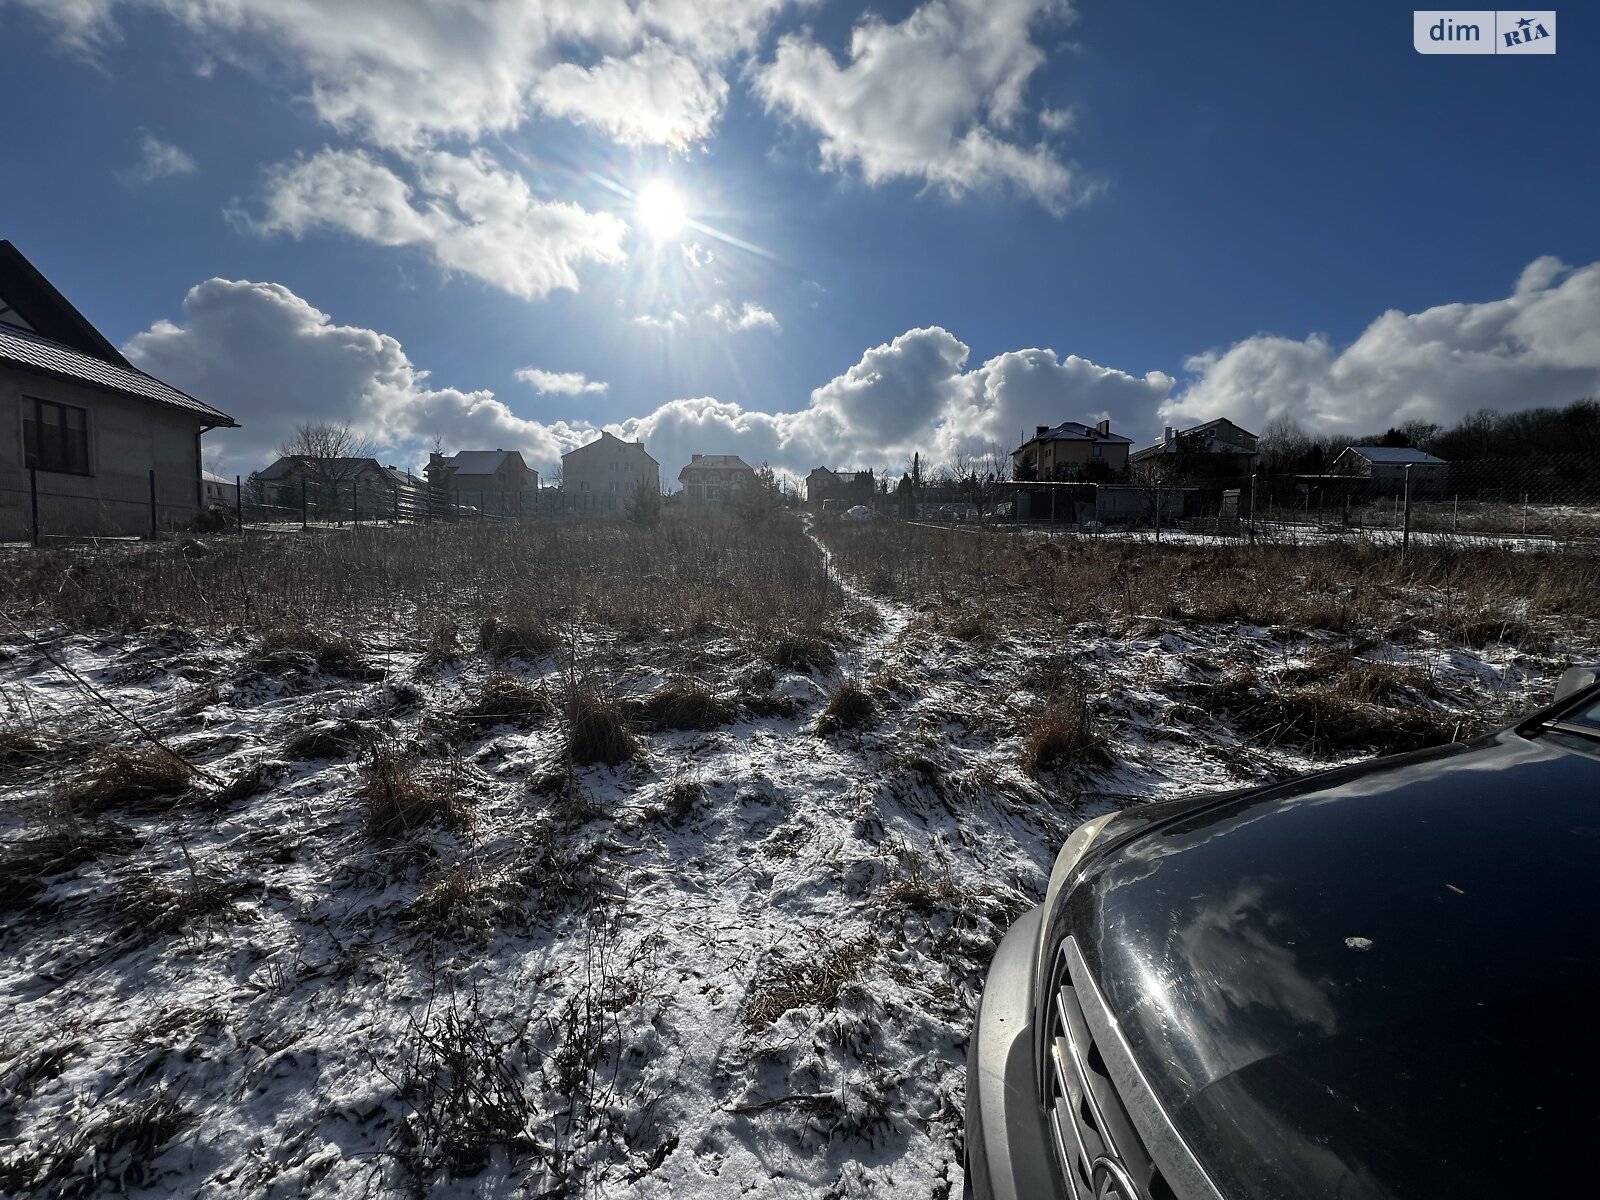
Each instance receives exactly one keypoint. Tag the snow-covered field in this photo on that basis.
(391, 935)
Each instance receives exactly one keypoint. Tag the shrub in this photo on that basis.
(596, 730)
(1062, 737)
(522, 634)
(400, 795)
(799, 652)
(682, 706)
(502, 700)
(850, 707)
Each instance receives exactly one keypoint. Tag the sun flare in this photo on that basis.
(659, 210)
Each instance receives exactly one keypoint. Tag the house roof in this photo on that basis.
(480, 462)
(339, 468)
(600, 441)
(25, 292)
(36, 353)
(1076, 431)
(213, 477)
(718, 462)
(1394, 454)
(1163, 446)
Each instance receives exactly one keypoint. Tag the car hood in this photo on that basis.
(1371, 983)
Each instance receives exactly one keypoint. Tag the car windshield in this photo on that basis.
(1587, 716)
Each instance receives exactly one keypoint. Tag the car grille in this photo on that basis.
(1088, 1121)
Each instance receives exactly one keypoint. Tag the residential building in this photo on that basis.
(110, 449)
(827, 488)
(600, 476)
(714, 478)
(492, 481)
(1385, 467)
(214, 489)
(337, 489)
(1215, 448)
(1066, 451)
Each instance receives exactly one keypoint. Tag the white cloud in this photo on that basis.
(475, 216)
(933, 98)
(1057, 120)
(405, 73)
(1538, 346)
(157, 160)
(747, 316)
(272, 361)
(560, 383)
(654, 97)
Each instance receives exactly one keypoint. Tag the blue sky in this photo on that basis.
(924, 226)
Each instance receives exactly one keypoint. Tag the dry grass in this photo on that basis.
(502, 700)
(23, 745)
(290, 646)
(152, 907)
(332, 739)
(815, 979)
(129, 780)
(850, 707)
(26, 864)
(1063, 737)
(1330, 721)
(115, 1148)
(401, 794)
(800, 652)
(597, 730)
(681, 706)
(521, 634)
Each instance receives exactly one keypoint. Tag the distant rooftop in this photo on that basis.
(723, 462)
(1394, 454)
(479, 462)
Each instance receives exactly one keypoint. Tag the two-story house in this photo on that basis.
(1065, 451)
(89, 444)
(1216, 448)
(600, 476)
(492, 481)
(714, 478)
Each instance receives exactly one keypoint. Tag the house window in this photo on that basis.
(55, 437)
(584, 486)
(1095, 452)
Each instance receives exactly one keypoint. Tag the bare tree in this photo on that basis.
(328, 454)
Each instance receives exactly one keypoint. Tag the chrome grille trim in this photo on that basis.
(1177, 1163)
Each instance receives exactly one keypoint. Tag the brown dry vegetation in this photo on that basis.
(692, 573)
(1471, 593)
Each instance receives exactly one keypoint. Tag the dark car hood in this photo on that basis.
(1372, 983)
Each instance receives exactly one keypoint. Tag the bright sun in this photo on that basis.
(659, 210)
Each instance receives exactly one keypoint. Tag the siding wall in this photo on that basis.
(126, 439)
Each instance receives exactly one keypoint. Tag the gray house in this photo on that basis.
(96, 444)
(1385, 468)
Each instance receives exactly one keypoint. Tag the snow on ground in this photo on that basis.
(741, 964)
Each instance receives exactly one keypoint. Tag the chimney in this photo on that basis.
(696, 457)
(1040, 430)
(1167, 432)
(1104, 428)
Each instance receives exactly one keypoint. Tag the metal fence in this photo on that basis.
(1549, 502)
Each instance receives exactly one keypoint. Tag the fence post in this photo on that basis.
(396, 520)
(458, 506)
(1158, 514)
(153, 529)
(302, 502)
(1252, 508)
(1455, 513)
(355, 505)
(33, 500)
(1405, 532)
(1524, 514)
(238, 503)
